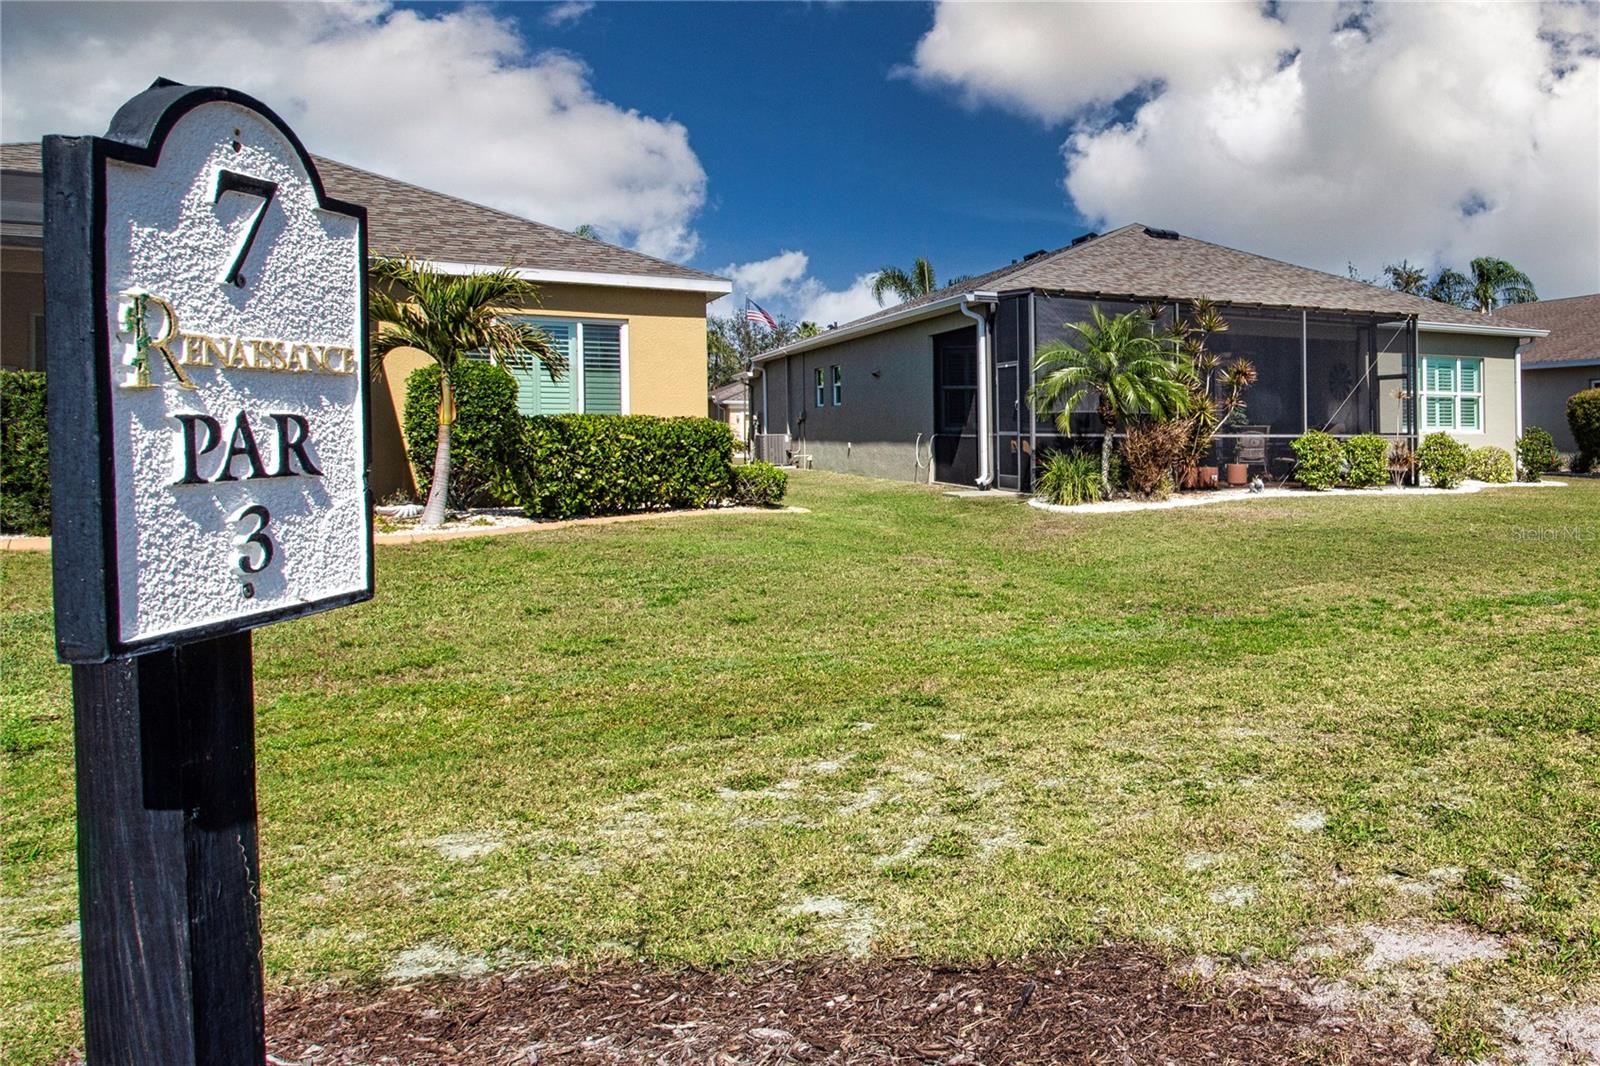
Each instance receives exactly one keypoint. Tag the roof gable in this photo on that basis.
(1574, 325)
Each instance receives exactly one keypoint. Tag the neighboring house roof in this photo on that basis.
(1574, 325)
(729, 395)
(405, 219)
(1139, 263)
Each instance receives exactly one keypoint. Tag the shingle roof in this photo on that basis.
(1130, 263)
(1574, 325)
(405, 219)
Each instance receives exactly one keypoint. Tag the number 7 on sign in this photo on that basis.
(231, 181)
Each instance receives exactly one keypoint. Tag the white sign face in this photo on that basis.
(237, 418)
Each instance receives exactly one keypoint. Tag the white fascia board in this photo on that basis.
(720, 286)
(876, 325)
(1492, 331)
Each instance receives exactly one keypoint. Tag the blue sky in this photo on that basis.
(812, 141)
(798, 147)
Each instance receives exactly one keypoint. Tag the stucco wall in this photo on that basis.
(875, 429)
(666, 341)
(1544, 398)
(21, 297)
(1499, 382)
(666, 359)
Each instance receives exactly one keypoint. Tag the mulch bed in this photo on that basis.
(1110, 1005)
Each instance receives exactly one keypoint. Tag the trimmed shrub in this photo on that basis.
(484, 439)
(757, 484)
(1583, 416)
(572, 465)
(1319, 460)
(1536, 453)
(1443, 460)
(1368, 458)
(1069, 478)
(1491, 464)
(24, 454)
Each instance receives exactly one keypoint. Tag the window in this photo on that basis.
(838, 385)
(593, 381)
(822, 389)
(1452, 393)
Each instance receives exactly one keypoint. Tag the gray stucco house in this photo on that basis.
(1565, 362)
(935, 389)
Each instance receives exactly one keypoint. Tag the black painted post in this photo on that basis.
(168, 870)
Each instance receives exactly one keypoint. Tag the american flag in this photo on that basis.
(754, 314)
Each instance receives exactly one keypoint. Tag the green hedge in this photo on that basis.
(24, 454)
(572, 465)
(1319, 460)
(1492, 464)
(757, 484)
(1536, 453)
(484, 440)
(1583, 415)
(1368, 457)
(1443, 460)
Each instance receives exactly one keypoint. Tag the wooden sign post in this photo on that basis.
(208, 397)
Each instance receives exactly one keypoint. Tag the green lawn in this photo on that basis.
(951, 727)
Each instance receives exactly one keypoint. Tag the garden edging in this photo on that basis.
(1198, 499)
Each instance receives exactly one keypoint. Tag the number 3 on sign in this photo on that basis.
(252, 547)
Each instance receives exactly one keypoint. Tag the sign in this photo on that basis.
(214, 368)
(207, 373)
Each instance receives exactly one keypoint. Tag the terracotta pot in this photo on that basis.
(1238, 475)
(1208, 477)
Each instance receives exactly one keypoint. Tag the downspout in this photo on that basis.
(985, 386)
(1519, 394)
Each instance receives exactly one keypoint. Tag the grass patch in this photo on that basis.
(906, 720)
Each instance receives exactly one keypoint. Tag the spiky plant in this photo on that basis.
(1119, 361)
(449, 316)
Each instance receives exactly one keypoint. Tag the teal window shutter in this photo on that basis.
(1469, 374)
(602, 368)
(538, 391)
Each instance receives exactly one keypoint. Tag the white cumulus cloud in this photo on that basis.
(1322, 133)
(565, 14)
(783, 285)
(457, 101)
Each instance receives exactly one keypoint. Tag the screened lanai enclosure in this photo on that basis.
(1345, 374)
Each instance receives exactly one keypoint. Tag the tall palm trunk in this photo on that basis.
(1109, 420)
(433, 514)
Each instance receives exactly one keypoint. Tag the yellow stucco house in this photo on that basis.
(633, 327)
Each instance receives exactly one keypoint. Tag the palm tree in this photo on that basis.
(1122, 363)
(892, 280)
(1403, 277)
(1496, 282)
(449, 316)
(1449, 286)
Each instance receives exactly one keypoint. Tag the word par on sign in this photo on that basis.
(213, 307)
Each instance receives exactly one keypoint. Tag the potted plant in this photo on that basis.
(1216, 390)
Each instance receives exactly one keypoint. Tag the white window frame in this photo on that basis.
(576, 366)
(822, 388)
(1455, 395)
(837, 373)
